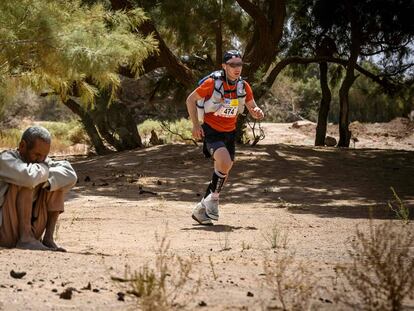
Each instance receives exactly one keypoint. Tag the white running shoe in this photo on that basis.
(199, 215)
(211, 205)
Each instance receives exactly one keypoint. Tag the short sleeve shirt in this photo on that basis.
(219, 123)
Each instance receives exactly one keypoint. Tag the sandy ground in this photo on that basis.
(315, 197)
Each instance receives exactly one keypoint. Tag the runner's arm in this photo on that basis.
(191, 103)
(254, 110)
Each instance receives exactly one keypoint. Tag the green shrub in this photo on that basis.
(64, 134)
(10, 138)
(167, 131)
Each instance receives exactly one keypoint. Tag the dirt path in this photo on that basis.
(314, 196)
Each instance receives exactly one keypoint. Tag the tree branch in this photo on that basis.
(303, 60)
(254, 11)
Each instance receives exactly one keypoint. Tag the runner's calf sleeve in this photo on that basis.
(216, 183)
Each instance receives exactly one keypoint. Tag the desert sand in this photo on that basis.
(314, 196)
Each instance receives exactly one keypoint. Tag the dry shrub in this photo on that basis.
(276, 237)
(10, 138)
(161, 288)
(293, 285)
(398, 207)
(381, 273)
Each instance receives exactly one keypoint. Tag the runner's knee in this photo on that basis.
(223, 160)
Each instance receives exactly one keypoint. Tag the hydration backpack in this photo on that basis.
(218, 103)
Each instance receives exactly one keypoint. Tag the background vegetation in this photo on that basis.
(116, 63)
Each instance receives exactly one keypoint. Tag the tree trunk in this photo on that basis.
(88, 125)
(164, 58)
(219, 41)
(344, 133)
(115, 123)
(262, 48)
(324, 106)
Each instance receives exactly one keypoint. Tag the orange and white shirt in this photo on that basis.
(219, 123)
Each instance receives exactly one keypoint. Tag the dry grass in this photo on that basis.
(67, 137)
(292, 284)
(168, 285)
(397, 206)
(225, 245)
(381, 273)
(276, 237)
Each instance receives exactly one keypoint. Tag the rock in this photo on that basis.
(66, 294)
(87, 287)
(330, 141)
(295, 125)
(121, 296)
(154, 140)
(202, 303)
(17, 275)
(250, 294)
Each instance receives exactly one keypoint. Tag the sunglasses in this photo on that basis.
(235, 65)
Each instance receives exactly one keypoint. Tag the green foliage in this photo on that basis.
(297, 91)
(370, 103)
(296, 94)
(183, 127)
(64, 134)
(70, 132)
(66, 48)
(10, 138)
(193, 26)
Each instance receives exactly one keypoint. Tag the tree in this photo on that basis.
(72, 50)
(363, 29)
(344, 32)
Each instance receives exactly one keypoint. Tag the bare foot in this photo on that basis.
(52, 245)
(33, 245)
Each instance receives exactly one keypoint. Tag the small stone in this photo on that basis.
(17, 275)
(330, 141)
(88, 287)
(66, 294)
(54, 290)
(121, 296)
(202, 304)
(95, 290)
(250, 294)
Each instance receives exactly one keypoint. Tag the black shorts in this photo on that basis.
(214, 139)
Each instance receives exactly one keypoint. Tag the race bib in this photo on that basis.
(228, 109)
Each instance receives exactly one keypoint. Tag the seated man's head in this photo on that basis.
(35, 144)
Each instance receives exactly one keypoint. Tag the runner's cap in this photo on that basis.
(231, 54)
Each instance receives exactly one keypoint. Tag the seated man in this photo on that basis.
(32, 188)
